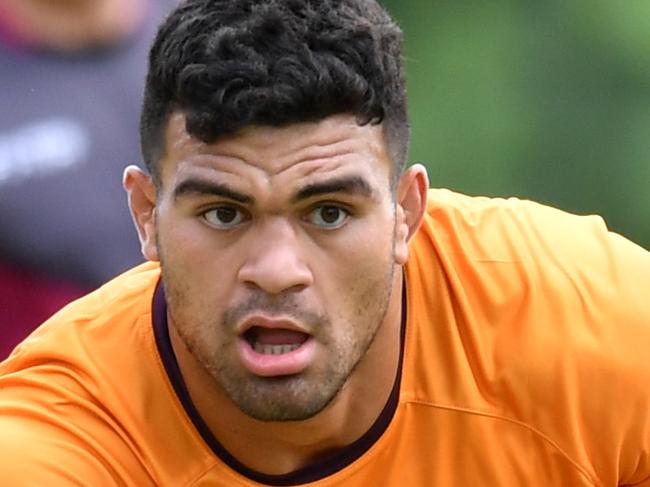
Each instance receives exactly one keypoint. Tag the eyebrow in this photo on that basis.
(201, 187)
(352, 185)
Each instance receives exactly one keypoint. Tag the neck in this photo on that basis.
(277, 448)
(71, 25)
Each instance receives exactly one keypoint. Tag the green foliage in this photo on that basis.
(545, 100)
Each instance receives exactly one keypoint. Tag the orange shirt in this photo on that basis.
(525, 363)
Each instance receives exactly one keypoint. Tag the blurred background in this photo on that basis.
(71, 80)
(542, 100)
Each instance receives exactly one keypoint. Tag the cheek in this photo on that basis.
(200, 274)
(357, 272)
(372, 245)
(191, 249)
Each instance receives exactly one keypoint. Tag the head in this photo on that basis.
(230, 64)
(275, 134)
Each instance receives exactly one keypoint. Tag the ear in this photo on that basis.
(411, 201)
(142, 203)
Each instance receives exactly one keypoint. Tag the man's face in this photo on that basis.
(277, 251)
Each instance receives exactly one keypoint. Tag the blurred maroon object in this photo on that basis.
(26, 300)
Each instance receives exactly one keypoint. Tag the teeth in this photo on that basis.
(274, 349)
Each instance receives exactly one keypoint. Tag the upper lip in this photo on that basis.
(270, 323)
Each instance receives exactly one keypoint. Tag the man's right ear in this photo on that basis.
(141, 192)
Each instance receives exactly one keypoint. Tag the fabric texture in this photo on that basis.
(525, 364)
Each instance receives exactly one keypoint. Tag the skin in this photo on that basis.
(74, 25)
(296, 223)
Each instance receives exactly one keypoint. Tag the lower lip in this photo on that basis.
(264, 365)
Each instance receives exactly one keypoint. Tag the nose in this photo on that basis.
(275, 262)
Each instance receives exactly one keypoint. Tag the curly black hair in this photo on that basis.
(226, 64)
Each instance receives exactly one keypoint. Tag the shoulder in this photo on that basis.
(34, 451)
(562, 282)
(569, 257)
(509, 229)
(548, 314)
(67, 391)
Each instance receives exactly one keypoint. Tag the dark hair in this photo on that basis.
(226, 64)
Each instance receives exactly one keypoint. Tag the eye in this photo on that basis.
(328, 216)
(224, 217)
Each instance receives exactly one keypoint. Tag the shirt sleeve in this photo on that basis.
(33, 453)
(53, 432)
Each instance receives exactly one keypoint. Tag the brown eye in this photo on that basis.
(328, 216)
(224, 217)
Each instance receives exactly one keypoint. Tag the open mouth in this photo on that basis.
(274, 341)
(271, 348)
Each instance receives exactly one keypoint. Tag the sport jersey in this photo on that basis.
(524, 362)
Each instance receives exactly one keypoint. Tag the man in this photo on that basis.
(71, 86)
(321, 317)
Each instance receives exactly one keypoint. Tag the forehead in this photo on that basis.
(334, 146)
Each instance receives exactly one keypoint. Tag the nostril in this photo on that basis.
(275, 276)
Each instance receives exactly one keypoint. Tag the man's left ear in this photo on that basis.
(411, 201)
